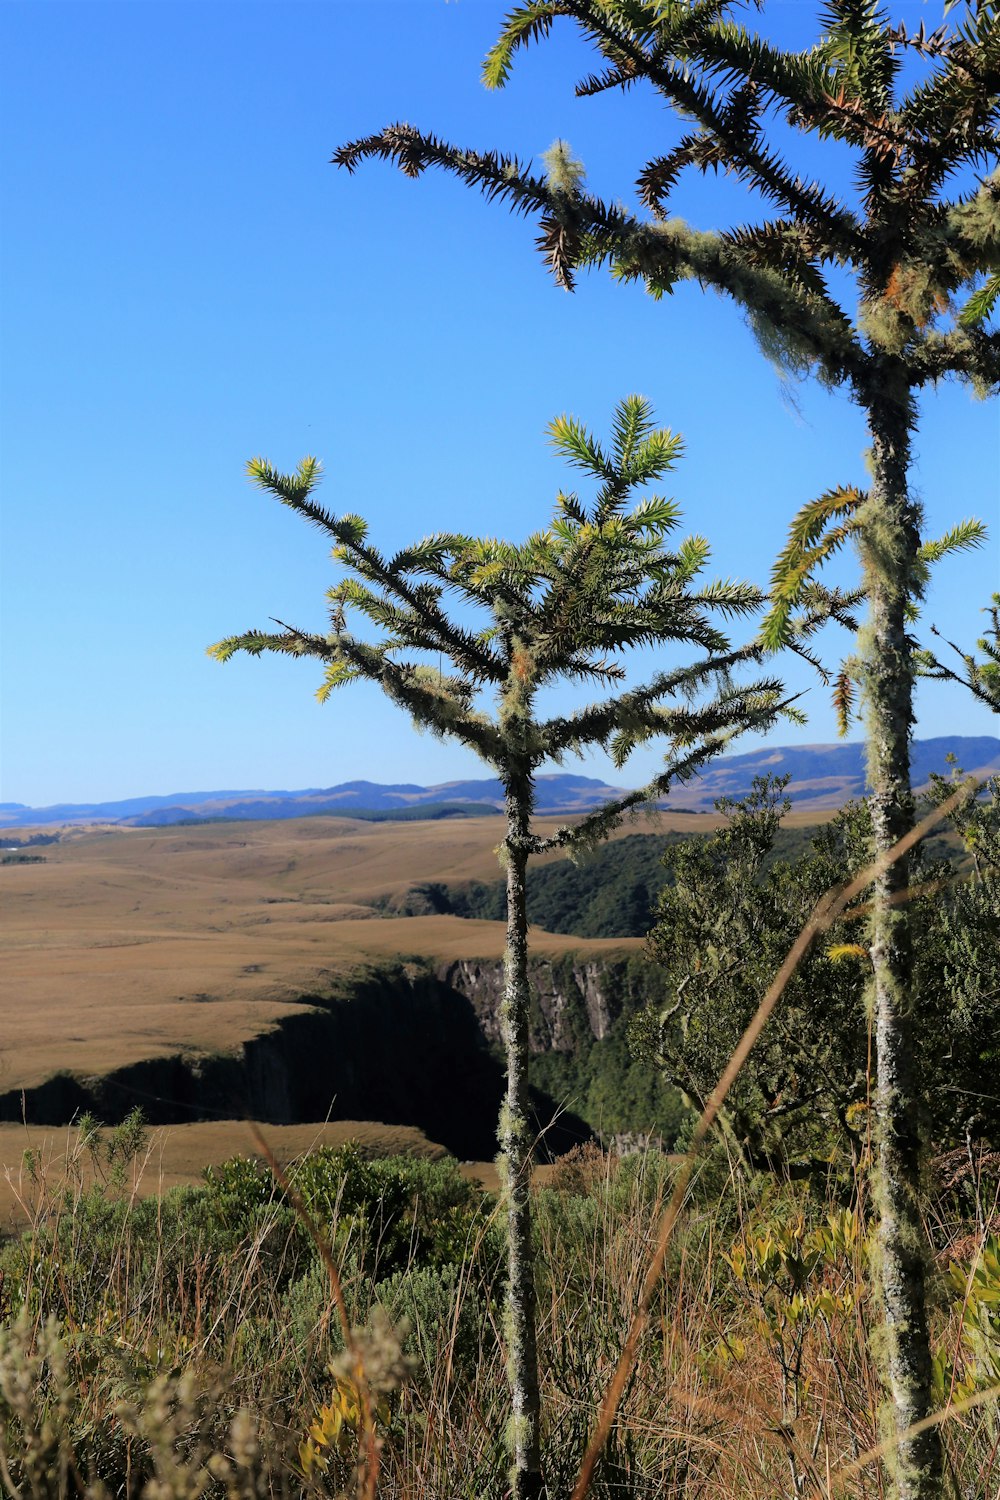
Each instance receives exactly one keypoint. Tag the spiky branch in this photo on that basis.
(566, 603)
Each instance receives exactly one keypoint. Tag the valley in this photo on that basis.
(126, 946)
(321, 969)
(263, 969)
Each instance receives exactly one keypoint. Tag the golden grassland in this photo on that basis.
(127, 945)
(132, 944)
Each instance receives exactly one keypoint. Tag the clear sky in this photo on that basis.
(186, 282)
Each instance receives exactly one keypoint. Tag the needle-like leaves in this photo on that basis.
(566, 603)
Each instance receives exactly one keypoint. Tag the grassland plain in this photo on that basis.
(125, 946)
(129, 945)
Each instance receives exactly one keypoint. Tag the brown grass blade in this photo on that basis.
(954, 1409)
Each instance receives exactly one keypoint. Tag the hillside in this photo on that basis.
(135, 944)
(294, 970)
(823, 777)
(204, 971)
(827, 776)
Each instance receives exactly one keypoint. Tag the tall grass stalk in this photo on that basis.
(143, 1338)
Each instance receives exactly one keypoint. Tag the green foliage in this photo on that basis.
(564, 604)
(981, 677)
(724, 926)
(812, 539)
(610, 893)
(616, 1093)
(431, 1300)
(381, 1213)
(799, 1282)
(385, 1211)
(127, 1141)
(784, 1269)
(981, 303)
(527, 23)
(912, 254)
(819, 530)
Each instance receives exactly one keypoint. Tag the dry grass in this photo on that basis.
(131, 945)
(716, 1409)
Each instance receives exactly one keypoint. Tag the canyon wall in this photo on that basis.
(403, 1044)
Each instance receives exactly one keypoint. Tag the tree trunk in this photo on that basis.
(890, 538)
(515, 1162)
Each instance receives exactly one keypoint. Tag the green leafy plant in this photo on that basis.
(959, 1374)
(799, 1281)
(802, 1105)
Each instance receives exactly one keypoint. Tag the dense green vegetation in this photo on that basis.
(617, 1093)
(611, 892)
(724, 925)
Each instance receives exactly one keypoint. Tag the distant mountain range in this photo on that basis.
(823, 776)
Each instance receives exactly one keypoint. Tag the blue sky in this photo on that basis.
(186, 281)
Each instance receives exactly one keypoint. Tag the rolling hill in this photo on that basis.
(823, 777)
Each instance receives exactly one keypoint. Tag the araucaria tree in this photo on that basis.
(564, 606)
(919, 264)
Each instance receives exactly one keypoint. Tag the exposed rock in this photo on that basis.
(575, 1001)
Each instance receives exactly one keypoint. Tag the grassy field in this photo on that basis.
(172, 1340)
(129, 945)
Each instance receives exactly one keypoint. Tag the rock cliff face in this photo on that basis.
(574, 1001)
